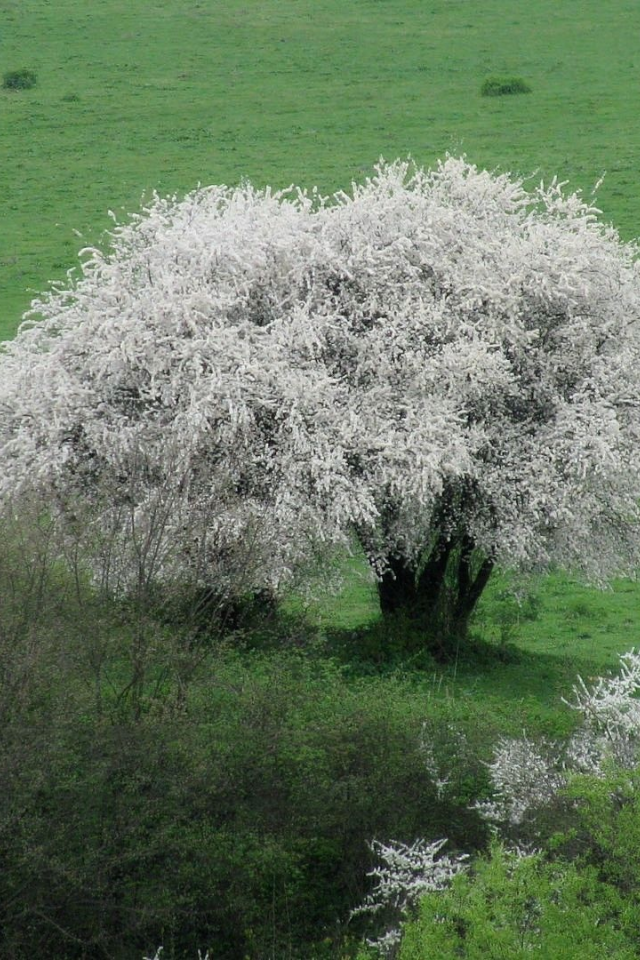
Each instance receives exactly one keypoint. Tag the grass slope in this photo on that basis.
(162, 94)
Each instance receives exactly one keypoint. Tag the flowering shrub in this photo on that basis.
(407, 872)
(524, 778)
(527, 779)
(610, 716)
(182, 425)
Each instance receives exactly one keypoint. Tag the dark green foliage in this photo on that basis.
(607, 828)
(503, 86)
(160, 786)
(19, 80)
(157, 790)
(511, 907)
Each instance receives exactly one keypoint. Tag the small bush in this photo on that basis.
(503, 86)
(19, 80)
(511, 906)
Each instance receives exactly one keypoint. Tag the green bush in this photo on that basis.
(509, 906)
(19, 80)
(607, 828)
(503, 86)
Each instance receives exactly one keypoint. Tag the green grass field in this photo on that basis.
(138, 96)
(531, 639)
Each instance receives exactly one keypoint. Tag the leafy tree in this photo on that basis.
(440, 361)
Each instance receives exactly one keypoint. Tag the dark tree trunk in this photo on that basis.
(397, 588)
(438, 599)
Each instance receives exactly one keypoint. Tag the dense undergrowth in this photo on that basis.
(199, 792)
(166, 784)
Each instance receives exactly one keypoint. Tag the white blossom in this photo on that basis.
(610, 712)
(406, 872)
(526, 776)
(246, 376)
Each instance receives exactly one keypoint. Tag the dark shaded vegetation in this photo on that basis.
(19, 80)
(503, 86)
(165, 783)
(173, 778)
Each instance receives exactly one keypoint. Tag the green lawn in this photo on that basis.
(161, 94)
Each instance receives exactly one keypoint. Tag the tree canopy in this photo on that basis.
(444, 362)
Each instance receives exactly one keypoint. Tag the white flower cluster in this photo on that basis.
(611, 717)
(247, 375)
(526, 777)
(406, 872)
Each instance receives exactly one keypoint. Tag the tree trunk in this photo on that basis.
(397, 588)
(436, 601)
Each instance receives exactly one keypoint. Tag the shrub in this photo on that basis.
(513, 906)
(19, 80)
(406, 873)
(503, 86)
(606, 830)
(579, 796)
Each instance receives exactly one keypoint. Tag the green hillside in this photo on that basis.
(138, 96)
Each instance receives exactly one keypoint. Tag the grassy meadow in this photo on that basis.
(162, 95)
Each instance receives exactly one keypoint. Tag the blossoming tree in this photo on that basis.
(440, 362)
(501, 327)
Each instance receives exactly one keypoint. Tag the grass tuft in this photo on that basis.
(504, 86)
(19, 80)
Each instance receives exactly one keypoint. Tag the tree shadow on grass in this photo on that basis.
(523, 688)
